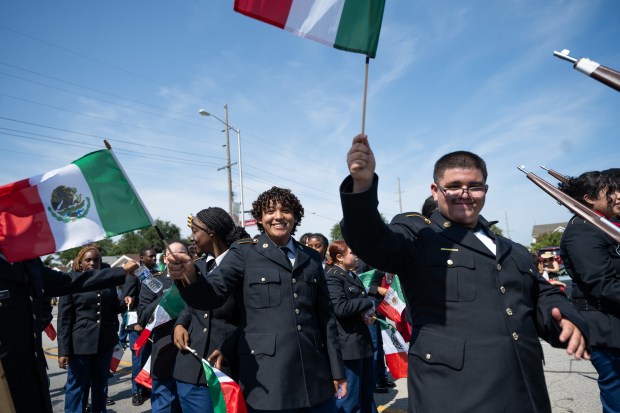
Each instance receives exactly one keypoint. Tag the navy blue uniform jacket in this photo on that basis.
(476, 317)
(288, 345)
(22, 285)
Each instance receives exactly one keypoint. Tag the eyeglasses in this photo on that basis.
(457, 192)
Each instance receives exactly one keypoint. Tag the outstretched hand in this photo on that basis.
(361, 163)
(576, 341)
(181, 267)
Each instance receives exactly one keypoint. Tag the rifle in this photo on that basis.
(593, 69)
(575, 207)
(555, 174)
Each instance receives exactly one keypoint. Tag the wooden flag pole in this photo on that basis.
(365, 93)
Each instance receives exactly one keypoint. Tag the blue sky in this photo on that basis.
(476, 75)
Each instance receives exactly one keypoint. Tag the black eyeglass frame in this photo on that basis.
(447, 195)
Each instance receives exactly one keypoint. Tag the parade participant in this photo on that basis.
(213, 232)
(592, 259)
(87, 325)
(319, 243)
(477, 303)
(132, 299)
(288, 349)
(354, 311)
(22, 284)
(164, 395)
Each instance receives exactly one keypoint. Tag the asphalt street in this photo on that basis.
(571, 384)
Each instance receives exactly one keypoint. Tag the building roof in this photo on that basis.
(538, 230)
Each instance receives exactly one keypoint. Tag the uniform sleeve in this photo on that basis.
(65, 322)
(208, 293)
(58, 283)
(343, 306)
(587, 249)
(184, 319)
(390, 246)
(329, 329)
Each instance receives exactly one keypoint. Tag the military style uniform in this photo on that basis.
(22, 285)
(476, 316)
(207, 330)
(288, 346)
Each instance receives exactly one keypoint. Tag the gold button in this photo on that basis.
(363, 293)
(447, 224)
(263, 279)
(298, 327)
(98, 312)
(204, 330)
(509, 311)
(428, 356)
(499, 267)
(206, 315)
(98, 295)
(294, 295)
(294, 281)
(450, 262)
(297, 311)
(502, 289)
(98, 321)
(515, 336)
(265, 245)
(251, 351)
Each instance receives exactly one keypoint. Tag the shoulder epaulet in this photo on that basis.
(248, 241)
(415, 215)
(412, 221)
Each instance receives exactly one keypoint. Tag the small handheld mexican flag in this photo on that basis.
(85, 201)
(351, 25)
(225, 393)
(117, 356)
(395, 350)
(144, 377)
(169, 308)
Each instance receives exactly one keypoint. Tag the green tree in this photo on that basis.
(134, 242)
(496, 230)
(106, 246)
(549, 239)
(335, 233)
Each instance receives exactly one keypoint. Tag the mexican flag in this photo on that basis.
(117, 356)
(352, 25)
(144, 377)
(395, 350)
(225, 393)
(393, 305)
(169, 308)
(85, 201)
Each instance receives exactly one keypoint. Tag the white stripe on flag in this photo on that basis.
(318, 20)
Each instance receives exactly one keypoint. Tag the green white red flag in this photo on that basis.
(85, 201)
(351, 25)
(395, 350)
(144, 377)
(117, 356)
(169, 308)
(225, 393)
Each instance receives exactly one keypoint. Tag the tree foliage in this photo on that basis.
(496, 230)
(549, 239)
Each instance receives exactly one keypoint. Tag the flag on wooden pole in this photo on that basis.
(351, 25)
(85, 201)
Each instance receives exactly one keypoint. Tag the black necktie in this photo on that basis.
(285, 251)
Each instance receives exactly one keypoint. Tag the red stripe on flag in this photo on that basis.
(141, 341)
(397, 364)
(50, 331)
(144, 378)
(233, 397)
(274, 12)
(24, 230)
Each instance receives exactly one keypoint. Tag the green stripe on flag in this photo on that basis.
(172, 302)
(215, 389)
(360, 26)
(117, 204)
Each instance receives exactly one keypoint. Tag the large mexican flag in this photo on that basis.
(85, 201)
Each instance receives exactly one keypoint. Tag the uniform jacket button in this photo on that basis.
(428, 356)
(298, 327)
(263, 279)
(98, 321)
(509, 311)
(515, 336)
(450, 262)
(204, 330)
(206, 315)
(297, 311)
(294, 295)
(251, 351)
(499, 267)
(502, 289)
(294, 280)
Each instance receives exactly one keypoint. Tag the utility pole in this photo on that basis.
(230, 195)
(507, 229)
(400, 203)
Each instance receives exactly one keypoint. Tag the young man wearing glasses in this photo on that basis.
(478, 305)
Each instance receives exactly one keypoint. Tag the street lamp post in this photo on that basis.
(203, 112)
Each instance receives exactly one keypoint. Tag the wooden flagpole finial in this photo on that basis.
(107, 144)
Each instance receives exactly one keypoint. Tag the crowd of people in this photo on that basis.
(293, 324)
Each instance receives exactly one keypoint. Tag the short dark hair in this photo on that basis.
(218, 221)
(274, 196)
(459, 159)
(429, 206)
(320, 236)
(589, 183)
